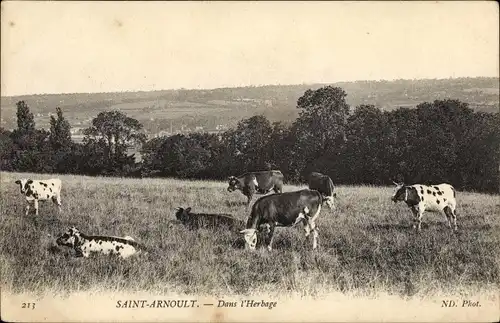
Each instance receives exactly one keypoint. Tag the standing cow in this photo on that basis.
(433, 198)
(40, 190)
(323, 184)
(286, 209)
(257, 183)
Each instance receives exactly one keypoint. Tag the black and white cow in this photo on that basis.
(323, 184)
(40, 190)
(205, 220)
(433, 198)
(261, 182)
(84, 245)
(285, 210)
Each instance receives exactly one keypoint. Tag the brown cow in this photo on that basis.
(261, 182)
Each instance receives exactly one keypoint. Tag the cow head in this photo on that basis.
(181, 213)
(250, 238)
(329, 201)
(234, 184)
(70, 238)
(22, 183)
(400, 192)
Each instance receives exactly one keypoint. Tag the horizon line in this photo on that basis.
(253, 85)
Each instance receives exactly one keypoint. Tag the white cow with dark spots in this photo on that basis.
(84, 245)
(433, 198)
(40, 190)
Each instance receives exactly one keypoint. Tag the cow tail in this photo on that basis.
(320, 197)
(330, 184)
(254, 217)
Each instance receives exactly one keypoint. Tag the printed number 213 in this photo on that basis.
(28, 305)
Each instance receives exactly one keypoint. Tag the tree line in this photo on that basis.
(442, 141)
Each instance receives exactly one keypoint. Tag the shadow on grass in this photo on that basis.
(279, 243)
(45, 221)
(476, 227)
(235, 203)
(238, 243)
(390, 226)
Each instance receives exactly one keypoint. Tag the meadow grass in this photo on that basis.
(367, 245)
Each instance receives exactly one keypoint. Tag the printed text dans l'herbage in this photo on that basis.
(193, 303)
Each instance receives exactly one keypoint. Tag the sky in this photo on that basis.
(67, 47)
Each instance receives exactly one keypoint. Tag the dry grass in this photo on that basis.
(367, 245)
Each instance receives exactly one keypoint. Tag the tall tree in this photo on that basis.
(247, 145)
(368, 149)
(30, 145)
(116, 131)
(324, 113)
(6, 149)
(320, 129)
(25, 119)
(60, 132)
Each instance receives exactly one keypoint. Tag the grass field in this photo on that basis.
(366, 245)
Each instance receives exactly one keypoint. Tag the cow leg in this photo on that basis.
(35, 204)
(454, 214)
(249, 199)
(57, 201)
(448, 213)
(314, 229)
(27, 208)
(307, 229)
(420, 210)
(311, 223)
(269, 237)
(315, 237)
(414, 211)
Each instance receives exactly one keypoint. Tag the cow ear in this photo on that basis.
(188, 209)
(18, 182)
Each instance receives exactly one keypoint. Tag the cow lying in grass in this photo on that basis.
(204, 220)
(84, 245)
(40, 190)
(433, 198)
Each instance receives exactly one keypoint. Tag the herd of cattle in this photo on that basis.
(283, 209)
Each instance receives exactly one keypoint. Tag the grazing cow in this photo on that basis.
(40, 190)
(84, 244)
(204, 220)
(257, 182)
(433, 198)
(323, 184)
(285, 209)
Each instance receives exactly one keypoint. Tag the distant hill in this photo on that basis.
(218, 109)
